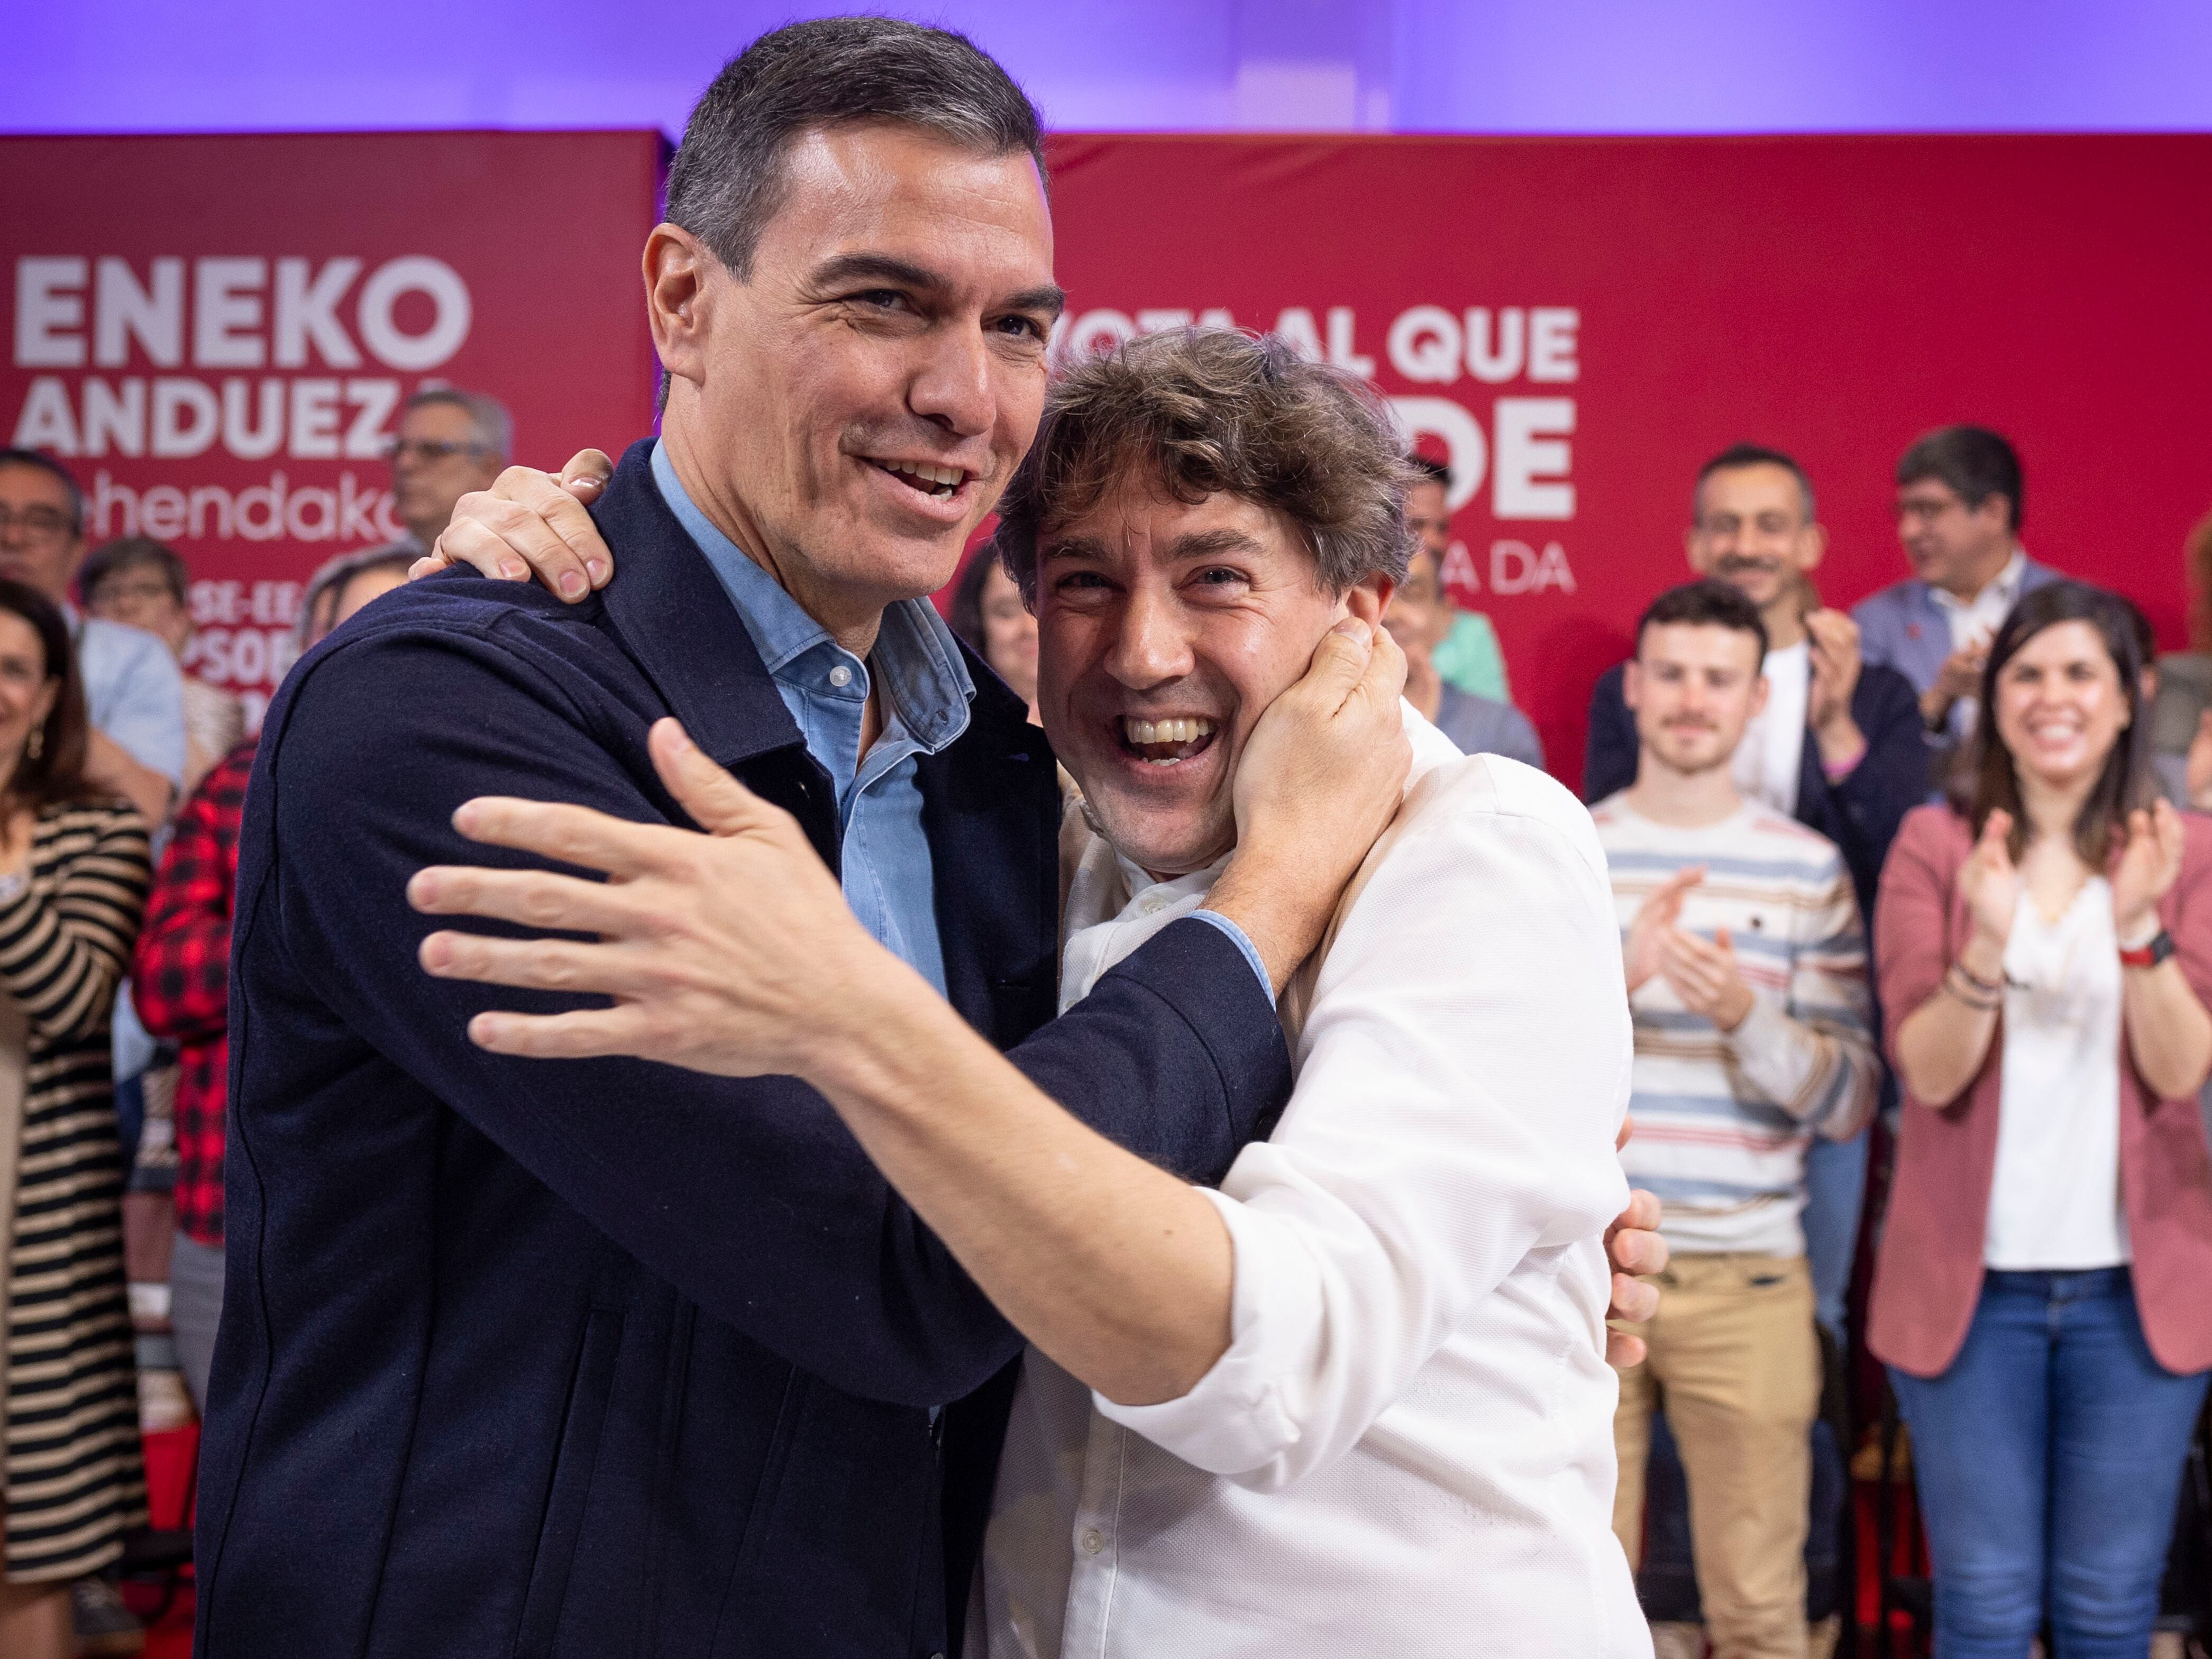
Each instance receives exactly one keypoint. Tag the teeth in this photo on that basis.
(937, 475)
(1144, 731)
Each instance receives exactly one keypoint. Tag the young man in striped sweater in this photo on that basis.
(1748, 979)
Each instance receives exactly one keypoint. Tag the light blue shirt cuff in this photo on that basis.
(1243, 943)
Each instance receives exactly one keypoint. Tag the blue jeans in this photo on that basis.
(2048, 1458)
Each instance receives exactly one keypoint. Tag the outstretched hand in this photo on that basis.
(531, 524)
(731, 952)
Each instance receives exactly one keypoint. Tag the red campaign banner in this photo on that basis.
(1578, 323)
(216, 334)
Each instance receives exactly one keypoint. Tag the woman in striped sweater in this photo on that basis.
(73, 874)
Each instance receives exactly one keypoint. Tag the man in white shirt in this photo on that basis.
(1356, 1401)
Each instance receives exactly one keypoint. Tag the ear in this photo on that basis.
(1690, 556)
(679, 298)
(42, 705)
(1631, 684)
(1759, 698)
(1813, 545)
(1369, 597)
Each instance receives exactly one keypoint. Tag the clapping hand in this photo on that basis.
(1703, 973)
(1836, 663)
(2149, 866)
(1989, 882)
(1641, 955)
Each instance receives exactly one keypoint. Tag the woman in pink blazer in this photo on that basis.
(2040, 1296)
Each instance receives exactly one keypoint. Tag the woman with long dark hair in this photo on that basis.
(73, 873)
(2046, 950)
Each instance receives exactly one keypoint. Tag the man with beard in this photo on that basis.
(1747, 974)
(1838, 746)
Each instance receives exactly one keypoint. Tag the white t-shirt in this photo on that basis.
(1773, 746)
(2055, 1196)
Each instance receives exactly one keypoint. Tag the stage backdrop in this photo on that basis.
(1579, 324)
(216, 333)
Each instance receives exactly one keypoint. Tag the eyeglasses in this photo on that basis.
(429, 451)
(151, 591)
(37, 523)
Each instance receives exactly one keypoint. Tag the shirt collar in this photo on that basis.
(915, 659)
(2003, 586)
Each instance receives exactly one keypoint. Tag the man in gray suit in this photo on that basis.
(1957, 518)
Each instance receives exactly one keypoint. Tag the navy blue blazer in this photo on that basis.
(1859, 814)
(603, 1358)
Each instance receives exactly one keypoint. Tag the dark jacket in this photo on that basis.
(1859, 814)
(603, 1358)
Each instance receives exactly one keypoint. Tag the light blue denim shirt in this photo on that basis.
(888, 874)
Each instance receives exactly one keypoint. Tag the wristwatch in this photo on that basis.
(2150, 955)
(12, 885)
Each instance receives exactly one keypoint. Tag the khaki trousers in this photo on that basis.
(1735, 1364)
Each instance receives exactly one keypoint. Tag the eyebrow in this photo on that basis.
(1207, 544)
(1048, 297)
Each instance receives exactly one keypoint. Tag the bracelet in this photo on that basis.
(2157, 948)
(1988, 987)
(1980, 1005)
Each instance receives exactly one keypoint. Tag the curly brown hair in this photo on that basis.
(1199, 411)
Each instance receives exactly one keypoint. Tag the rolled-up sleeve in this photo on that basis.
(1462, 1073)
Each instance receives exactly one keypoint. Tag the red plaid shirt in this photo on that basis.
(181, 980)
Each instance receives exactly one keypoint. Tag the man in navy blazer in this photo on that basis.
(609, 1357)
(1959, 494)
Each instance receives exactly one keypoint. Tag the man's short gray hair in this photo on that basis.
(727, 179)
(490, 424)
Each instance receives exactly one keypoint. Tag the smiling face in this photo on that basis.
(853, 409)
(27, 691)
(2060, 706)
(1752, 531)
(1164, 631)
(1694, 687)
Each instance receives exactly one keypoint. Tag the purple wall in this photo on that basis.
(1402, 66)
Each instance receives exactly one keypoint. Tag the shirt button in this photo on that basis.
(841, 676)
(1093, 1541)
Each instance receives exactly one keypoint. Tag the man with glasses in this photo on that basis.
(1957, 518)
(449, 442)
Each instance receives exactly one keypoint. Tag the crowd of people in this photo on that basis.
(1977, 769)
(1932, 871)
(1776, 784)
(112, 1051)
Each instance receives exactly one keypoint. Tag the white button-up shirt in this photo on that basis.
(1408, 1448)
(1976, 621)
